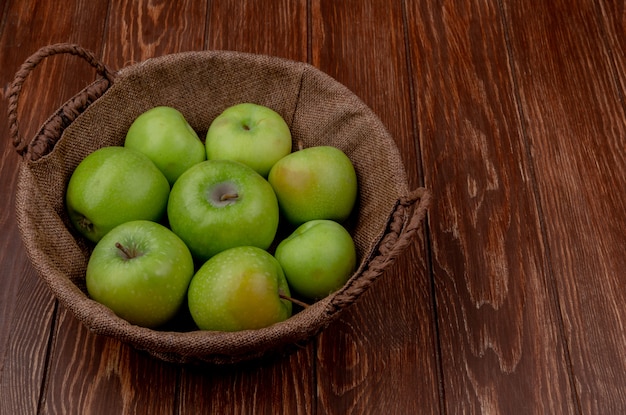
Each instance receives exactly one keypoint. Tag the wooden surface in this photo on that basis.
(512, 299)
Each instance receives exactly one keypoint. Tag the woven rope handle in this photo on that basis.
(405, 222)
(28, 66)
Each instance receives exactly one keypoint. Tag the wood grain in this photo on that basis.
(510, 301)
(612, 21)
(577, 135)
(26, 350)
(360, 359)
(138, 30)
(28, 309)
(277, 28)
(493, 284)
(278, 385)
(92, 374)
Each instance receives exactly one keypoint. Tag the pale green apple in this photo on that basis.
(164, 135)
(114, 185)
(141, 270)
(317, 258)
(315, 183)
(252, 134)
(220, 204)
(239, 289)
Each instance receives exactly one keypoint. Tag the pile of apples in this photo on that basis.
(228, 227)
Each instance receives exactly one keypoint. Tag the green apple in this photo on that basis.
(252, 134)
(239, 288)
(220, 204)
(141, 270)
(315, 183)
(114, 185)
(317, 258)
(164, 135)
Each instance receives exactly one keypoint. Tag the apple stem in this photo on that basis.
(293, 300)
(228, 196)
(126, 253)
(300, 145)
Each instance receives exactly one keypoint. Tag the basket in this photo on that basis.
(319, 111)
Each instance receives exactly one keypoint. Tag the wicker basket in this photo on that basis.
(318, 110)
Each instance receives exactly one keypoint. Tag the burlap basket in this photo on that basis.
(319, 111)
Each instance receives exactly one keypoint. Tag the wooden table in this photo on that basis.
(511, 301)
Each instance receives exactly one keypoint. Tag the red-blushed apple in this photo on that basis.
(220, 204)
(164, 135)
(114, 185)
(141, 270)
(317, 258)
(239, 288)
(315, 183)
(252, 134)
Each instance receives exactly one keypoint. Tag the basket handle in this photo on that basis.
(21, 145)
(405, 221)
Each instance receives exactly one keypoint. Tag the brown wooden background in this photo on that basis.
(511, 301)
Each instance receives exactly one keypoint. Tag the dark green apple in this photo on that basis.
(317, 258)
(252, 134)
(114, 185)
(220, 204)
(141, 270)
(164, 135)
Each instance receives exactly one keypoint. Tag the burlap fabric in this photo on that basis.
(318, 110)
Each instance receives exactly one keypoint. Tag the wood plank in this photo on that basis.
(26, 350)
(613, 18)
(571, 80)
(26, 305)
(276, 385)
(500, 332)
(9, 250)
(380, 357)
(90, 374)
(93, 374)
(277, 28)
(282, 384)
(138, 30)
